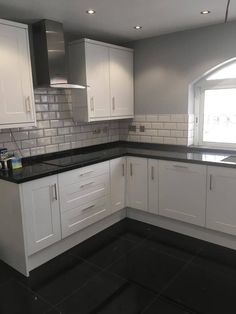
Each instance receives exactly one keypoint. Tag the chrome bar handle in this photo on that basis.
(180, 167)
(92, 103)
(131, 170)
(55, 191)
(152, 173)
(85, 173)
(113, 103)
(123, 170)
(211, 182)
(89, 207)
(86, 184)
(28, 104)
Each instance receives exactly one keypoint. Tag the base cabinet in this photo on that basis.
(182, 191)
(221, 200)
(118, 184)
(41, 213)
(84, 197)
(137, 183)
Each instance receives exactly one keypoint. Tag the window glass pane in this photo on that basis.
(227, 72)
(220, 116)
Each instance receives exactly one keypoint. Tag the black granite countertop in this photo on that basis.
(42, 166)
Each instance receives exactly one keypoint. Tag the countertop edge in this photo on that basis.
(69, 168)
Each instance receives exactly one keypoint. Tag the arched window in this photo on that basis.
(215, 108)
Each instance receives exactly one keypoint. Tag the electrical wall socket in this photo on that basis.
(105, 129)
(97, 131)
(132, 128)
(142, 128)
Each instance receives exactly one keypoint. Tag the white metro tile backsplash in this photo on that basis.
(176, 129)
(56, 130)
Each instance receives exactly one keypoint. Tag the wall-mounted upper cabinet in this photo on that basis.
(17, 107)
(107, 71)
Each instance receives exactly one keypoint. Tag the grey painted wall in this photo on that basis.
(166, 65)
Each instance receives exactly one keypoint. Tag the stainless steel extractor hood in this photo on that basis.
(50, 55)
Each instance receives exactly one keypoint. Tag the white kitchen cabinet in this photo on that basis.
(16, 88)
(221, 200)
(107, 71)
(137, 183)
(97, 75)
(182, 191)
(118, 178)
(121, 82)
(153, 191)
(84, 197)
(40, 206)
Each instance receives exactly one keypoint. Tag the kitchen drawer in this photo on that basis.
(75, 176)
(84, 215)
(84, 191)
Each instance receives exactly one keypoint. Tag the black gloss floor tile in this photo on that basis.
(115, 230)
(107, 293)
(106, 246)
(175, 243)
(130, 299)
(136, 231)
(219, 254)
(16, 299)
(154, 245)
(6, 273)
(105, 255)
(60, 277)
(129, 268)
(150, 269)
(205, 287)
(161, 306)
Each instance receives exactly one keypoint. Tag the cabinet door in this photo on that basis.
(41, 213)
(118, 175)
(97, 72)
(16, 91)
(137, 183)
(182, 191)
(153, 186)
(221, 200)
(121, 78)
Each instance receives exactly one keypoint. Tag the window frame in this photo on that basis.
(199, 93)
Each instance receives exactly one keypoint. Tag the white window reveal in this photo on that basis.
(215, 108)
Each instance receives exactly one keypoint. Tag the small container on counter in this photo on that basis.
(3, 153)
(4, 164)
(14, 163)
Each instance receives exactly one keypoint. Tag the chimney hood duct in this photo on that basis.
(50, 55)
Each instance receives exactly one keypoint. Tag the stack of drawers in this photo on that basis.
(84, 197)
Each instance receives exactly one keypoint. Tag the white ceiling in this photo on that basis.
(114, 19)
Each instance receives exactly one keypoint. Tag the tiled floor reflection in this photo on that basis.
(129, 268)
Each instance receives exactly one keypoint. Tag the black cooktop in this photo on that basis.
(71, 160)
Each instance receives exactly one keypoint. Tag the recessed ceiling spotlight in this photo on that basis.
(91, 12)
(206, 12)
(138, 27)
